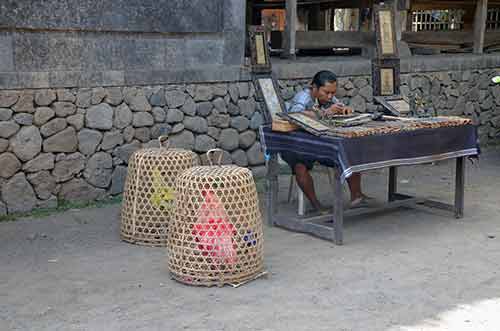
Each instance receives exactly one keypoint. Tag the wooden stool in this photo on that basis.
(300, 195)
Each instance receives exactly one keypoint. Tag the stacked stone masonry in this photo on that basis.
(463, 93)
(74, 144)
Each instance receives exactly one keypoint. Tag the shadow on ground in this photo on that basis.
(404, 270)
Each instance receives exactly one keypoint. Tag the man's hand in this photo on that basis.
(339, 109)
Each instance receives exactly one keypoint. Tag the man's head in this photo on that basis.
(324, 86)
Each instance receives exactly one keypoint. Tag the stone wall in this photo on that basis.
(469, 93)
(74, 144)
(82, 43)
(114, 15)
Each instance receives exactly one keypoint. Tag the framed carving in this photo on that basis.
(307, 123)
(269, 96)
(394, 105)
(387, 81)
(401, 105)
(385, 31)
(259, 52)
(385, 77)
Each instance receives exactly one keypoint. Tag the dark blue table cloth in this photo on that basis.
(377, 151)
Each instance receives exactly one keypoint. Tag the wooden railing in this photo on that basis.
(437, 20)
(493, 19)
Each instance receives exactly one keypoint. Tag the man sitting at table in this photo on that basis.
(320, 95)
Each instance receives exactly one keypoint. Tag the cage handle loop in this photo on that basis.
(219, 160)
(162, 140)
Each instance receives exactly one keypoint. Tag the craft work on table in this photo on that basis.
(395, 105)
(401, 105)
(305, 122)
(390, 125)
(346, 118)
(370, 124)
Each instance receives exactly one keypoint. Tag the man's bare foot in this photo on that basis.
(363, 201)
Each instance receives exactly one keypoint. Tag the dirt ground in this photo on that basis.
(404, 270)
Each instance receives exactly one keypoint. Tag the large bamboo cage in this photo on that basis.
(216, 234)
(149, 193)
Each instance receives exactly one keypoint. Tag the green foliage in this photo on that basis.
(62, 206)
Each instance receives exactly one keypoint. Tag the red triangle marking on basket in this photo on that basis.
(214, 232)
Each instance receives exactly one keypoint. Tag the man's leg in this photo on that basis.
(355, 186)
(306, 184)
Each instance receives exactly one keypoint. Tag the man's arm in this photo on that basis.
(298, 107)
(310, 113)
(300, 102)
(339, 109)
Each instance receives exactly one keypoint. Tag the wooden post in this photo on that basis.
(480, 25)
(459, 187)
(249, 14)
(403, 8)
(409, 21)
(315, 20)
(272, 189)
(401, 17)
(332, 19)
(290, 28)
(360, 18)
(338, 208)
(393, 183)
(409, 17)
(397, 21)
(372, 20)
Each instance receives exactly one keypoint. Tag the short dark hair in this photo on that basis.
(323, 77)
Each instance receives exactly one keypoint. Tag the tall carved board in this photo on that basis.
(386, 65)
(259, 51)
(385, 32)
(386, 76)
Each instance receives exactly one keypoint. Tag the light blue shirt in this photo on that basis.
(303, 100)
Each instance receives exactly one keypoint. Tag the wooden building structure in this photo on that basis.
(424, 26)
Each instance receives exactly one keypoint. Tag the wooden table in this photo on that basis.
(390, 151)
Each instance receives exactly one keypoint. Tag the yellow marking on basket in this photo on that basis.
(163, 195)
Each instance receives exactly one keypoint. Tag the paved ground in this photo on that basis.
(406, 270)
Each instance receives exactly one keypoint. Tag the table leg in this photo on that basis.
(272, 188)
(338, 208)
(393, 183)
(459, 187)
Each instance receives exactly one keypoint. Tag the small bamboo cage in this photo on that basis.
(216, 234)
(149, 193)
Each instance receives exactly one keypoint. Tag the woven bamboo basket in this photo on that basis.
(216, 235)
(148, 198)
